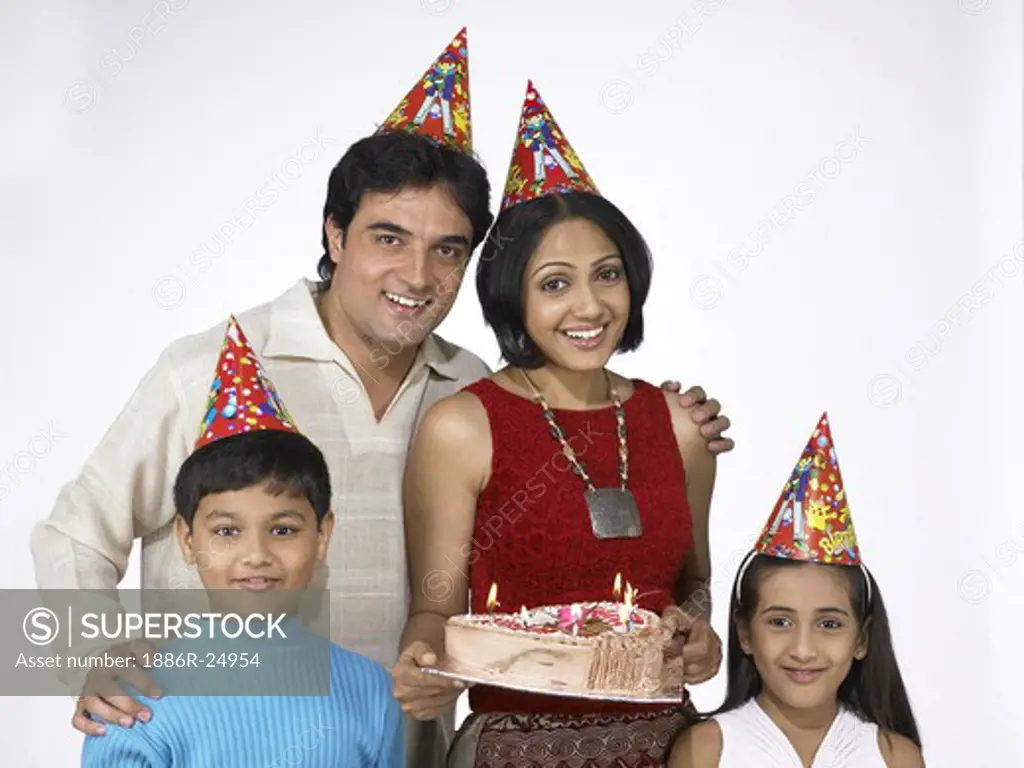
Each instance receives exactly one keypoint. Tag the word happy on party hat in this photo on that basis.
(811, 520)
(543, 161)
(438, 105)
(242, 398)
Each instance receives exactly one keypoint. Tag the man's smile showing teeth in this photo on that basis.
(404, 301)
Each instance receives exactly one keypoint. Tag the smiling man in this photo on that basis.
(356, 358)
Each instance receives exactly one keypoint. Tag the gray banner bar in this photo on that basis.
(190, 642)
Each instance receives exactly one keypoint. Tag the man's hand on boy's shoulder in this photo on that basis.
(707, 414)
(103, 697)
(122, 747)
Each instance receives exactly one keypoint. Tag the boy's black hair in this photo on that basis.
(873, 690)
(286, 461)
(391, 162)
(513, 240)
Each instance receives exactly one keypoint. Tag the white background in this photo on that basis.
(700, 119)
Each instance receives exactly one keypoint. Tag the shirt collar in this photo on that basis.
(438, 357)
(296, 330)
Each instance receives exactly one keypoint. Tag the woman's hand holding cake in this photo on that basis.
(421, 695)
(695, 640)
(702, 653)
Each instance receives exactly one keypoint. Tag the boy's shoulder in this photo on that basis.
(352, 662)
(141, 743)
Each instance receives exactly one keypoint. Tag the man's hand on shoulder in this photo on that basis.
(105, 699)
(707, 414)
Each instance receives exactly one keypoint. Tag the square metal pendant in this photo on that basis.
(613, 513)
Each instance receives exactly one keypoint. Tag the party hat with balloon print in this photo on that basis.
(242, 398)
(811, 520)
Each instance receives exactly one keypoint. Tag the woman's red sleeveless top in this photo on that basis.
(533, 535)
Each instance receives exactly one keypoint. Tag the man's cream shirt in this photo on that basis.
(125, 489)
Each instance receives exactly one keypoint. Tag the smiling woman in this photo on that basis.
(551, 228)
(562, 282)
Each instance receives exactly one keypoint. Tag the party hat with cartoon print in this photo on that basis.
(543, 161)
(242, 398)
(811, 520)
(438, 105)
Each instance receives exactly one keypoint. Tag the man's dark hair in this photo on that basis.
(391, 162)
(287, 462)
(516, 235)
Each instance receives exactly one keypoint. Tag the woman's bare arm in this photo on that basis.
(448, 465)
(693, 591)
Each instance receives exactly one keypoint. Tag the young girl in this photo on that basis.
(812, 677)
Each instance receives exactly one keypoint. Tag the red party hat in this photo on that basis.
(438, 105)
(811, 520)
(543, 161)
(242, 398)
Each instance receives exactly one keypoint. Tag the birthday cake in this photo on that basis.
(600, 647)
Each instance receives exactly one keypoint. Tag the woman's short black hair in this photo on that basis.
(513, 240)
(390, 162)
(287, 462)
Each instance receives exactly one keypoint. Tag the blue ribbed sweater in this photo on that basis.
(358, 724)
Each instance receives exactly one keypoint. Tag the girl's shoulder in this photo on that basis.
(898, 751)
(699, 746)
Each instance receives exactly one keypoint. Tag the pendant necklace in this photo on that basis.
(613, 511)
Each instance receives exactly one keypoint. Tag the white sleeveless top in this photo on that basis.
(751, 738)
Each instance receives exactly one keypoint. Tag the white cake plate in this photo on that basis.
(671, 691)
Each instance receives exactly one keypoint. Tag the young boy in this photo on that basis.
(253, 513)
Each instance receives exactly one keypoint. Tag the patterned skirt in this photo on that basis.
(637, 740)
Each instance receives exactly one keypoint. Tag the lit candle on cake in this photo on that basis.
(626, 608)
(617, 587)
(492, 598)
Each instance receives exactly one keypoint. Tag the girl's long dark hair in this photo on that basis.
(873, 689)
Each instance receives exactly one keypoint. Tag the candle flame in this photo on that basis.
(617, 588)
(626, 607)
(492, 598)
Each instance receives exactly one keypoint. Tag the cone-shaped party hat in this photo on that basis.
(543, 161)
(811, 520)
(438, 105)
(242, 398)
